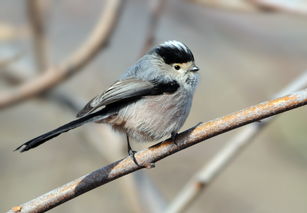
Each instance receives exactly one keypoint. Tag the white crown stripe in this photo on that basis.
(176, 44)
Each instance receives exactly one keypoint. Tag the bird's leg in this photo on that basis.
(131, 152)
(174, 136)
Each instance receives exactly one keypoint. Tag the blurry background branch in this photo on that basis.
(296, 7)
(156, 8)
(54, 75)
(159, 151)
(36, 15)
(4, 63)
(241, 5)
(200, 182)
(9, 74)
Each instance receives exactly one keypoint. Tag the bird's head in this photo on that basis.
(176, 57)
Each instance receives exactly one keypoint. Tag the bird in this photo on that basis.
(150, 100)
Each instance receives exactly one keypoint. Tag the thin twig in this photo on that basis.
(156, 11)
(293, 7)
(238, 5)
(54, 75)
(161, 150)
(13, 76)
(199, 182)
(4, 63)
(9, 74)
(37, 25)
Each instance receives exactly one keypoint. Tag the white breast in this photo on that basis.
(154, 117)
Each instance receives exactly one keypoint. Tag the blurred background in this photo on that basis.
(247, 51)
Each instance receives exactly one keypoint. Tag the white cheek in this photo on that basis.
(181, 71)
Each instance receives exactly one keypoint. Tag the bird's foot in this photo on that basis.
(131, 153)
(174, 136)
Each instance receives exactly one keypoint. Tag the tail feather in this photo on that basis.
(56, 132)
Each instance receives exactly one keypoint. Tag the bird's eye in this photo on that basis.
(177, 67)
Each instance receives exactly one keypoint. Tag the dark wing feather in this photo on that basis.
(120, 90)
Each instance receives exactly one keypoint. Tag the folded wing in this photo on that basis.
(120, 90)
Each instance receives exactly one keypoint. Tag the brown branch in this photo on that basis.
(35, 11)
(54, 75)
(161, 150)
(200, 182)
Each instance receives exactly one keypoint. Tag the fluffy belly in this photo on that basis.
(153, 117)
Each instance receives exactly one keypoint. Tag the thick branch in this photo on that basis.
(162, 150)
(54, 75)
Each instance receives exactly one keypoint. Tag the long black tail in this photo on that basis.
(66, 127)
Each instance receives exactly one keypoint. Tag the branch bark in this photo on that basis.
(161, 150)
(202, 179)
(54, 75)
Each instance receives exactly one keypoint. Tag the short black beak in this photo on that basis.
(194, 69)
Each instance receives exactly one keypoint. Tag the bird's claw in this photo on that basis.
(174, 136)
(146, 165)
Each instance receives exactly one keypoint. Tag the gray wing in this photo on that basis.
(120, 90)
